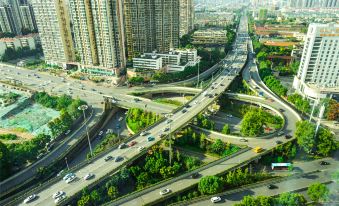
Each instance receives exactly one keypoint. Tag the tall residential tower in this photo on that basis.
(186, 16)
(151, 25)
(99, 33)
(53, 23)
(318, 75)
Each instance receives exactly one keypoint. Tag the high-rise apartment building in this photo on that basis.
(318, 74)
(186, 20)
(16, 15)
(27, 17)
(151, 25)
(304, 4)
(52, 18)
(99, 32)
(6, 19)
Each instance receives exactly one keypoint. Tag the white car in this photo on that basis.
(68, 176)
(60, 199)
(141, 148)
(67, 132)
(165, 191)
(215, 199)
(71, 179)
(88, 176)
(121, 118)
(30, 198)
(143, 133)
(101, 133)
(58, 194)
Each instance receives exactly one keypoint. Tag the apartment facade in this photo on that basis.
(99, 34)
(318, 74)
(186, 16)
(210, 37)
(53, 22)
(151, 25)
(27, 17)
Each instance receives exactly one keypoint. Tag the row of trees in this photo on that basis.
(275, 85)
(188, 138)
(17, 154)
(255, 119)
(323, 143)
(108, 142)
(215, 184)
(11, 53)
(300, 103)
(153, 168)
(204, 122)
(67, 106)
(8, 136)
(138, 119)
(317, 192)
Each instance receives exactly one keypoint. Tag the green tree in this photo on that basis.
(218, 147)
(256, 201)
(318, 192)
(210, 185)
(226, 129)
(95, 197)
(305, 135)
(112, 192)
(326, 143)
(252, 123)
(5, 161)
(291, 199)
(85, 200)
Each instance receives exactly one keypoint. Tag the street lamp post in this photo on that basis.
(83, 108)
(67, 163)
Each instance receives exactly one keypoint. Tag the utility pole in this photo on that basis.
(67, 163)
(83, 108)
(316, 102)
(170, 145)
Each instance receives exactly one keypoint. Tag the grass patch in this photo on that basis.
(169, 102)
(108, 142)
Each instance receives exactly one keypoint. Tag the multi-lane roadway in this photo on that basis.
(102, 168)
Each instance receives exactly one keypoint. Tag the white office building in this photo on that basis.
(318, 75)
(175, 60)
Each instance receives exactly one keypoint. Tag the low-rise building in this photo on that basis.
(28, 41)
(175, 60)
(210, 37)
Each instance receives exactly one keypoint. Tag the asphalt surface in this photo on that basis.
(153, 194)
(101, 168)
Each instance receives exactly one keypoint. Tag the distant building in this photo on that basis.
(175, 60)
(28, 41)
(318, 75)
(263, 14)
(186, 16)
(210, 37)
(304, 4)
(151, 25)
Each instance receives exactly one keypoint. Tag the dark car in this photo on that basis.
(184, 111)
(281, 110)
(187, 106)
(118, 159)
(324, 163)
(278, 142)
(108, 158)
(195, 175)
(271, 187)
(288, 136)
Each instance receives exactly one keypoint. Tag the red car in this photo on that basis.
(132, 143)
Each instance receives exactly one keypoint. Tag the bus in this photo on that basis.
(281, 166)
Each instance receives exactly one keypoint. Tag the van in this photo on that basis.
(257, 149)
